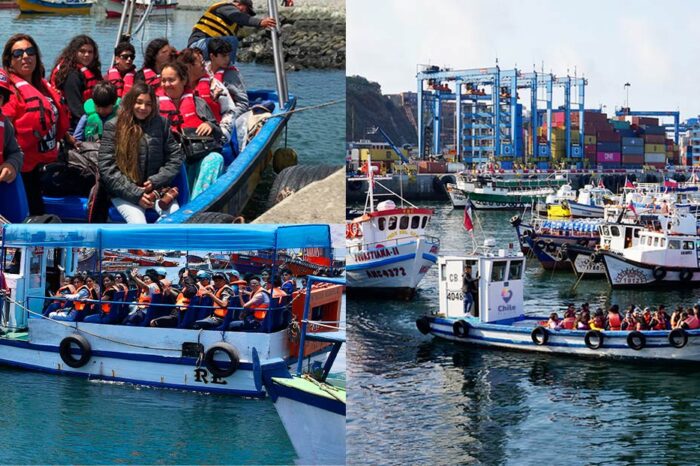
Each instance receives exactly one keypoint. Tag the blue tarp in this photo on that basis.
(183, 237)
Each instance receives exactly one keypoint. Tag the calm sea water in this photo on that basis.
(418, 400)
(318, 136)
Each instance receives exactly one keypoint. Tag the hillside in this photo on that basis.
(366, 107)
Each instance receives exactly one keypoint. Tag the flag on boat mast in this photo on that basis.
(628, 184)
(468, 224)
(631, 208)
(600, 182)
(370, 173)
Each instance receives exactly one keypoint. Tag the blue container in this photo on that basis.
(633, 150)
(608, 147)
(632, 142)
(543, 150)
(576, 151)
(506, 165)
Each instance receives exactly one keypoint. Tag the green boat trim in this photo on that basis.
(313, 387)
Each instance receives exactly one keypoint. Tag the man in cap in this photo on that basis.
(224, 19)
(11, 156)
(220, 296)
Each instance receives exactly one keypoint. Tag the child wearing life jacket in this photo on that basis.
(101, 107)
(11, 156)
(598, 321)
(569, 320)
(123, 73)
(659, 322)
(629, 323)
(553, 321)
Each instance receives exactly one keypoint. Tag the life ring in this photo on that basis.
(423, 325)
(214, 367)
(352, 230)
(551, 247)
(593, 339)
(582, 242)
(539, 335)
(686, 275)
(675, 334)
(659, 273)
(540, 244)
(460, 329)
(636, 340)
(65, 350)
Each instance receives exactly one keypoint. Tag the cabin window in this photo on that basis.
(663, 242)
(516, 270)
(606, 231)
(13, 260)
(674, 244)
(403, 224)
(392, 223)
(425, 221)
(381, 223)
(656, 241)
(636, 233)
(498, 271)
(415, 222)
(688, 245)
(443, 272)
(615, 231)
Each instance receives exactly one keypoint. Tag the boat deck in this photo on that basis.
(18, 336)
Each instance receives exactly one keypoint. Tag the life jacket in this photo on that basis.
(122, 83)
(2, 138)
(278, 294)
(184, 116)
(220, 311)
(151, 78)
(65, 289)
(214, 25)
(90, 79)
(39, 121)
(145, 297)
(660, 325)
(260, 311)
(80, 305)
(614, 321)
(106, 307)
(693, 322)
(219, 74)
(181, 302)
(201, 289)
(203, 90)
(568, 323)
(93, 124)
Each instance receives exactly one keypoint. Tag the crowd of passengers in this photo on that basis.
(189, 106)
(253, 295)
(631, 319)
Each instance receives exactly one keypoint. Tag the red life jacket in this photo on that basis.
(151, 77)
(614, 321)
(181, 302)
(33, 117)
(80, 305)
(184, 116)
(145, 297)
(2, 139)
(219, 74)
(122, 83)
(660, 325)
(568, 323)
(203, 90)
(90, 79)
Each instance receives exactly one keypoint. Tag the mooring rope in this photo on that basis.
(303, 109)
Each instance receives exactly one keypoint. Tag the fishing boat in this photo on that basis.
(500, 320)
(312, 407)
(35, 257)
(114, 8)
(591, 202)
(55, 7)
(457, 197)
(388, 252)
(490, 192)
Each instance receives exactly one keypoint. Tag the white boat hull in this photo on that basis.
(615, 346)
(114, 8)
(457, 197)
(624, 273)
(585, 211)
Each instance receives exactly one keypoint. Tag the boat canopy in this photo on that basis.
(174, 237)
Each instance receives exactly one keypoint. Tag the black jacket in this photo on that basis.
(11, 152)
(160, 158)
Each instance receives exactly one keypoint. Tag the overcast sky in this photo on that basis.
(653, 45)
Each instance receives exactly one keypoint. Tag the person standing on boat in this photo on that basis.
(224, 19)
(36, 112)
(469, 289)
(139, 156)
(158, 53)
(123, 73)
(220, 296)
(11, 155)
(76, 72)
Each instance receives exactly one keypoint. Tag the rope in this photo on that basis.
(302, 109)
(318, 323)
(328, 388)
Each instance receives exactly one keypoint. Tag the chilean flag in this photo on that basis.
(632, 209)
(468, 225)
(628, 184)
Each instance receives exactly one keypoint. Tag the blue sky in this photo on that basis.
(653, 45)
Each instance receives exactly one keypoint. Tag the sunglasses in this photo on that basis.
(127, 57)
(30, 51)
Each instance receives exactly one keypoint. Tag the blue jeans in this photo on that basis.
(202, 44)
(468, 301)
(68, 316)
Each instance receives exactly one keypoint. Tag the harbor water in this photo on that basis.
(415, 399)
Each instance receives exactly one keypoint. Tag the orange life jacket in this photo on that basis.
(278, 294)
(151, 77)
(201, 289)
(145, 297)
(614, 321)
(260, 311)
(60, 292)
(33, 117)
(203, 90)
(220, 311)
(80, 305)
(106, 307)
(660, 325)
(568, 323)
(181, 302)
(122, 83)
(183, 116)
(90, 79)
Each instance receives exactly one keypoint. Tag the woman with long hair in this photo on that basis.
(177, 102)
(139, 157)
(36, 112)
(76, 72)
(158, 53)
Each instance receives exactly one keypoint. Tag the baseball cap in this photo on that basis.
(220, 275)
(202, 274)
(161, 271)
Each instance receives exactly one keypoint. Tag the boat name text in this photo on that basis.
(376, 254)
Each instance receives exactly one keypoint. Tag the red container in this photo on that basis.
(654, 139)
(589, 149)
(608, 157)
(633, 159)
(607, 136)
(645, 121)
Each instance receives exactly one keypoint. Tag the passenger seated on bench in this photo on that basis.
(110, 287)
(101, 107)
(220, 296)
(659, 321)
(76, 303)
(65, 289)
(553, 321)
(676, 317)
(12, 156)
(598, 321)
(614, 318)
(569, 319)
(278, 294)
(255, 309)
(583, 321)
(121, 282)
(188, 290)
(288, 284)
(149, 287)
(692, 322)
(629, 323)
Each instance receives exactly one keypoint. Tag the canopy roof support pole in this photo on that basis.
(278, 55)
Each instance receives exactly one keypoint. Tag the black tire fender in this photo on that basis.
(675, 334)
(211, 217)
(685, 275)
(636, 340)
(65, 350)
(423, 325)
(515, 220)
(539, 335)
(540, 244)
(292, 179)
(214, 367)
(46, 218)
(593, 339)
(659, 273)
(551, 247)
(460, 329)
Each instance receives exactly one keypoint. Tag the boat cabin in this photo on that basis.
(387, 223)
(500, 285)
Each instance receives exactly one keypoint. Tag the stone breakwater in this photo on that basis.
(313, 37)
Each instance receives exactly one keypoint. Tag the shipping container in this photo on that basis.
(608, 165)
(632, 159)
(656, 164)
(654, 157)
(645, 121)
(633, 150)
(607, 136)
(617, 124)
(632, 142)
(432, 167)
(608, 157)
(654, 139)
(654, 148)
(608, 147)
(589, 139)
(590, 149)
(654, 130)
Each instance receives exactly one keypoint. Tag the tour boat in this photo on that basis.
(388, 252)
(114, 8)
(501, 322)
(491, 191)
(35, 257)
(591, 202)
(56, 7)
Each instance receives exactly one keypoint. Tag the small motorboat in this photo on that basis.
(114, 8)
(56, 7)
